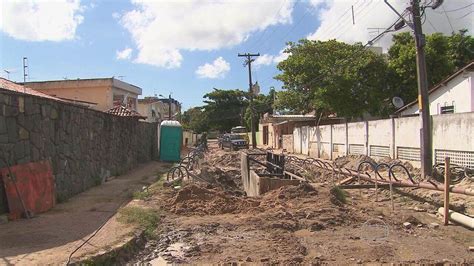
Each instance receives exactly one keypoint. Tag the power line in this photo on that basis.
(266, 29)
(335, 26)
(465, 15)
(274, 28)
(446, 14)
(294, 25)
(434, 28)
(457, 9)
(363, 16)
(342, 30)
(356, 53)
(345, 23)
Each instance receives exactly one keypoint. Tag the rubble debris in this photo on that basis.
(296, 224)
(193, 199)
(352, 161)
(433, 226)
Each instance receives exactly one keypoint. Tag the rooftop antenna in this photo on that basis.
(25, 68)
(25, 72)
(8, 73)
(120, 77)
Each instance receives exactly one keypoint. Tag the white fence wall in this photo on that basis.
(453, 136)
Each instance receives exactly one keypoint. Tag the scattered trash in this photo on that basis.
(433, 225)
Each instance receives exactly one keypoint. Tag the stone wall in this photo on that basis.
(84, 146)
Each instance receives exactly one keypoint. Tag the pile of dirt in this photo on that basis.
(390, 161)
(228, 179)
(303, 207)
(228, 159)
(352, 161)
(193, 199)
(285, 193)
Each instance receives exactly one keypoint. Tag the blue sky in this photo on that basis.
(164, 47)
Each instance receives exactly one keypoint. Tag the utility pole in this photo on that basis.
(423, 101)
(248, 63)
(169, 107)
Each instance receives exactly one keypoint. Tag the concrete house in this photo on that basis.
(455, 94)
(99, 93)
(277, 130)
(158, 109)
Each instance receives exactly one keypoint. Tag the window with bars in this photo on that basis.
(356, 149)
(408, 153)
(447, 109)
(380, 151)
(463, 158)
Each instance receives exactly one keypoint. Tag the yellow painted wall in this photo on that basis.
(100, 95)
(100, 91)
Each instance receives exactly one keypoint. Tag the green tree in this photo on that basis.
(332, 77)
(461, 49)
(225, 108)
(444, 55)
(261, 104)
(195, 119)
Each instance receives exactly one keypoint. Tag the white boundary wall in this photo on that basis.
(453, 136)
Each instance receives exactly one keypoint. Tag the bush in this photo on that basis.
(147, 219)
(339, 194)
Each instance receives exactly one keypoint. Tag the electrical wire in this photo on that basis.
(465, 15)
(95, 233)
(294, 25)
(349, 26)
(446, 14)
(457, 9)
(265, 41)
(356, 53)
(266, 29)
(336, 26)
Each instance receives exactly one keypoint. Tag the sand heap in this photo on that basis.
(229, 159)
(193, 199)
(228, 179)
(352, 161)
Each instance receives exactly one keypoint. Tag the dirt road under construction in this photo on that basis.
(214, 222)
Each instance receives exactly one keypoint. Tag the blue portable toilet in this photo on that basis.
(171, 138)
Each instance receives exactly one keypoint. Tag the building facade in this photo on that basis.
(158, 109)
(101, 93)
(455, 94)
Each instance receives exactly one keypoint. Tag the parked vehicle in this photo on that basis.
(233, 142)
(242, 131)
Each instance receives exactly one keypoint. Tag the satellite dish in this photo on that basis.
(397, 102)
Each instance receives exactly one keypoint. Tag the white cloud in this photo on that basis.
(124, 54)
(218, 69)
(336, 19)
(163, 29)
(41, 20)
(116, 15)
(266, 59)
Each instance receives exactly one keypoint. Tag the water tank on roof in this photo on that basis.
(171, 137)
